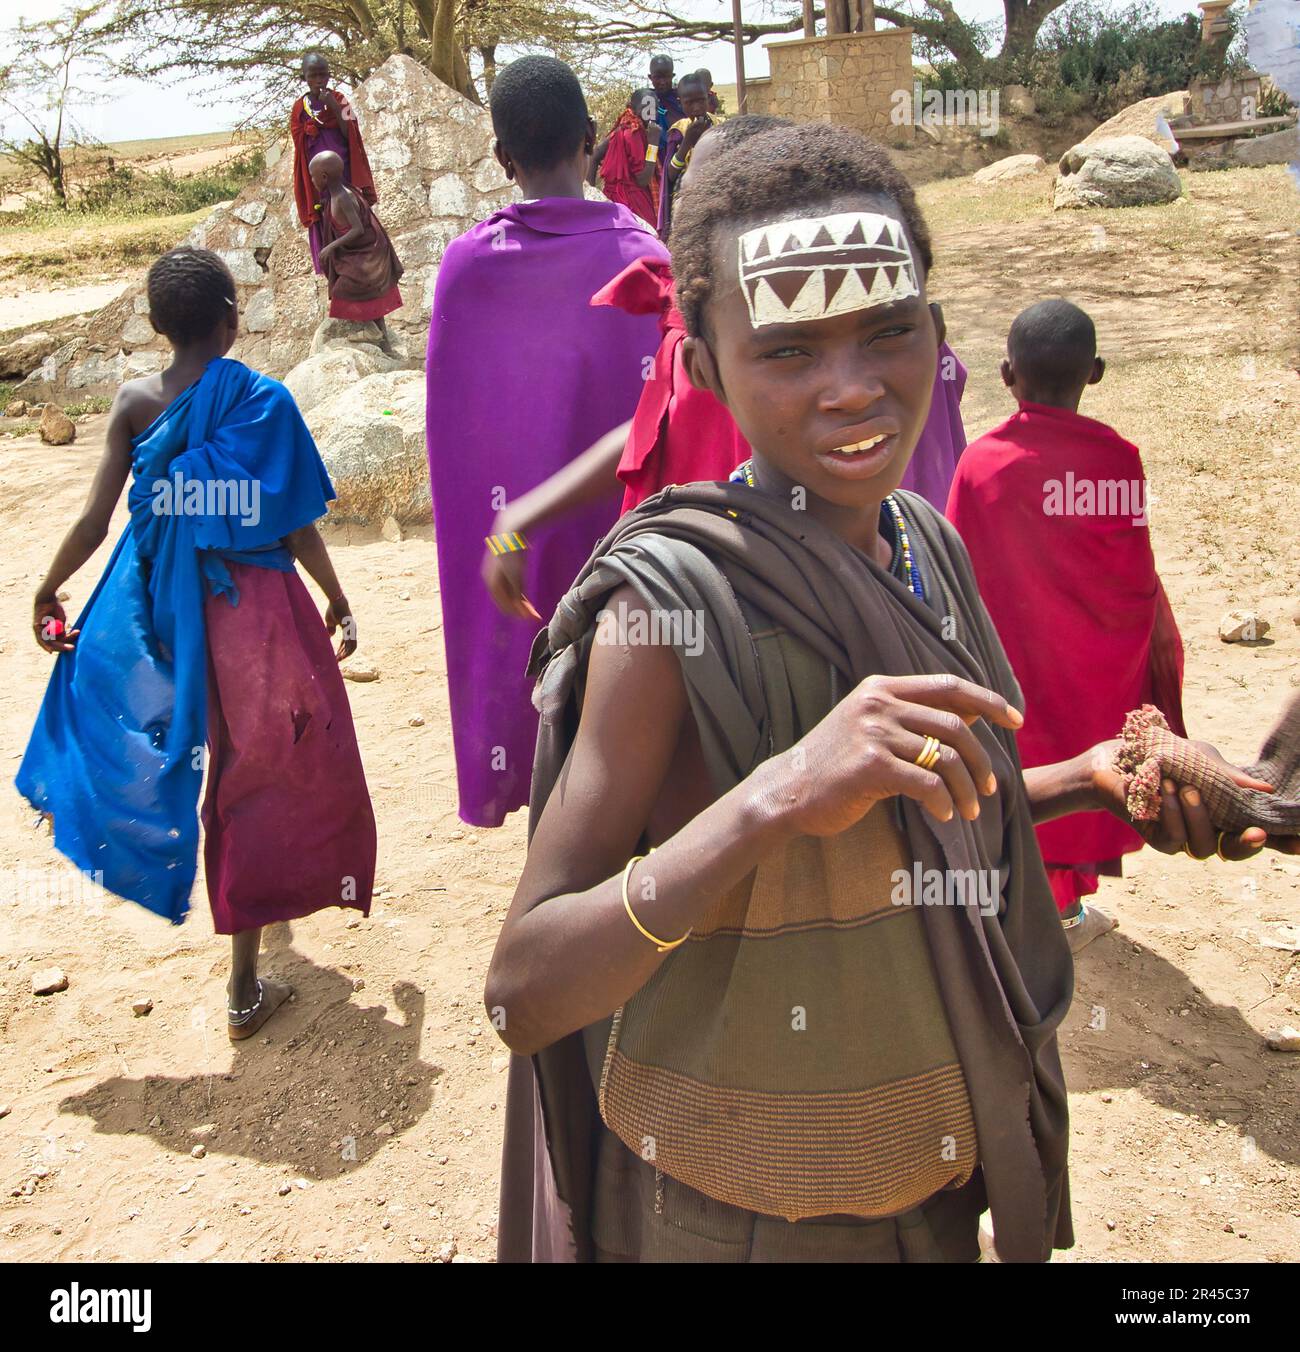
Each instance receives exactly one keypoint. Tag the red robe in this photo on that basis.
(1076, 601)
(679, 434)
(625, 158)
(304, 129)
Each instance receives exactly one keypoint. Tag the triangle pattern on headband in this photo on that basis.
(797, 271)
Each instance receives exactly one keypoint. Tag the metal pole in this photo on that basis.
(740, 56)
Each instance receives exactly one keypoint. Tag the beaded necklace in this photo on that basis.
(911, 573)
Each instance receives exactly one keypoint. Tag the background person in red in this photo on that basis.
(323, 120)
(626, 160)
(1074, 593)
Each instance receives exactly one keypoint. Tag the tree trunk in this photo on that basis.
(488, 51)
(837, 17)
(1024, 19)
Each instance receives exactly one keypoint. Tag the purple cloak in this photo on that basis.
(523, 375)
(943, 437)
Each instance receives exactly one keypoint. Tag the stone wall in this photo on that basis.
(431, 152)
(1222, 101)
(849, 79)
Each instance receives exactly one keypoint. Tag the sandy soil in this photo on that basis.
(21, 305)
(377, 1095)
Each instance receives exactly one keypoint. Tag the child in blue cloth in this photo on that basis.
(200, 631)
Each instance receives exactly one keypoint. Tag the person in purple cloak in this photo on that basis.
(524, 374)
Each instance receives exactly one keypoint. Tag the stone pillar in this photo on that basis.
(1214, 20)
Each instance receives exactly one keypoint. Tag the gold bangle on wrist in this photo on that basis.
(664, 946)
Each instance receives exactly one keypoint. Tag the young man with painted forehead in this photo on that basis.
(783, 970)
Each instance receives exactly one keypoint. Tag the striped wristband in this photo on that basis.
(509, 543)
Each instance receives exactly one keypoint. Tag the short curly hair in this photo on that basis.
(190, 293)
(539, 112)
(783, 173)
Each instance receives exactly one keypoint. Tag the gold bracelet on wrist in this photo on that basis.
(664, 946)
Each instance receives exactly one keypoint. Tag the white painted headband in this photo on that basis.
(797, 271)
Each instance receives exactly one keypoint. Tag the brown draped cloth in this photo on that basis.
(1006, 979)
(363, 275)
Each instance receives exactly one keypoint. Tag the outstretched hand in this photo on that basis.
(1184, 825)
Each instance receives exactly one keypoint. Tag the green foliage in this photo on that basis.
(96, 403)
(1094, 58)
(606, 100)
(125, 191)
(6, 394)
(1272, 101)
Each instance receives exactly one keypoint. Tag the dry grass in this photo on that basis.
(85, 247)
(1210, 199)
(13, 173)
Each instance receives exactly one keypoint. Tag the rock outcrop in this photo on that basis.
(371, 436)
(431, 152)
(1013, 166)
(1139, 119)
(1125, 171)
(1278, 147)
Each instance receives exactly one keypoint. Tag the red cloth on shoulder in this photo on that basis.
(679, 434)
(303, 130)
(1075, 598)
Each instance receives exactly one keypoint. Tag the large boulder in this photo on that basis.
(1126, 171)
(1014, 166)
(431, 152)
(1139, 119)
(1278, 147)
(371, 437)
(20, 356)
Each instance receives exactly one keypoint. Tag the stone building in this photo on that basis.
(849, 78)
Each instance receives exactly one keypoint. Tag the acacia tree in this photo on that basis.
(38, 90)
(936, 23)
(262, 41)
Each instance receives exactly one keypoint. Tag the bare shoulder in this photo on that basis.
(138, 403)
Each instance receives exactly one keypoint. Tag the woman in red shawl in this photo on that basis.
(627, 158)
(323, 120)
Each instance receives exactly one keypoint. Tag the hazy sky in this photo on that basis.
(136, 109)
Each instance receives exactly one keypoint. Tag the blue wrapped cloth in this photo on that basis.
(224, 473)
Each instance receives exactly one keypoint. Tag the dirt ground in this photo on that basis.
(377, 1095)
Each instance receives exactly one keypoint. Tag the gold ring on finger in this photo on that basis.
(1218, 848)
(1187, 850)
(929, 754)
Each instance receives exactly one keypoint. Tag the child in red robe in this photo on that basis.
(1052, 508)
(627, 159)
(323, 120)
(358, 258)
